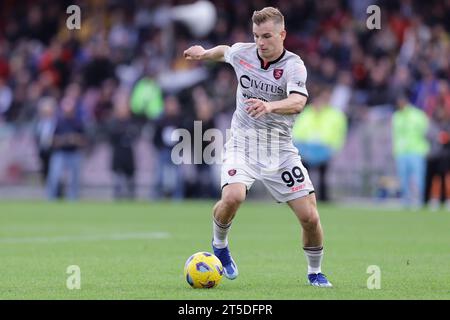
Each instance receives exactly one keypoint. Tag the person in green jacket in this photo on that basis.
(147, 99)
(320, 131)
(410, 147)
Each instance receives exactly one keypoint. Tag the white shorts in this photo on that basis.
(288, 181)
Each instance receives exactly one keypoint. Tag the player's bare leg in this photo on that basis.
(305, 208)
(232, 197)
(224, 211)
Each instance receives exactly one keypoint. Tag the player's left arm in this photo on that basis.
(293, 104)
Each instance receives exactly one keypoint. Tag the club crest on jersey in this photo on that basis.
(277, 73)
(232, 172)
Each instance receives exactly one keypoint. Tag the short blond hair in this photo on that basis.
(266, 14)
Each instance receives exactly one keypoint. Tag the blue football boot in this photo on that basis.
(319, 280)
(229, 266)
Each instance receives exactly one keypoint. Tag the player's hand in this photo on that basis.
(256, 108)
(194, 53)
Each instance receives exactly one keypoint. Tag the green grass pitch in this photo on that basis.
(138, 250)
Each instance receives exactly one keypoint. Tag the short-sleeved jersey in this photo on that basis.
(271, 82)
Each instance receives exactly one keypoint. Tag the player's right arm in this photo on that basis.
(199, 53)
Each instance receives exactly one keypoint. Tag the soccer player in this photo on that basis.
(270, 94)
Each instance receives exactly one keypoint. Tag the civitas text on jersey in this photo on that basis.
(247, 82)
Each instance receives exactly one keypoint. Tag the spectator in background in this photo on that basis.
(43, 132)
(318, 133)
(6, 97)
(223, 90)
(401, 81)
(205, 186)
(438, 161)
(410, 147)
(54, 61)
(68, 140)
(122, 135)
(170, 179)
(378, 91)
(427, 89)
(100, 67)
(146, 98)
(104, 106)
(342, 92)
(441, 100)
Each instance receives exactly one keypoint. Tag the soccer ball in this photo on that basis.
(203, 270)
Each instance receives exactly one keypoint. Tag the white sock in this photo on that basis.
(220, 232)
(447, 204)
(434, 204)
(314, 256)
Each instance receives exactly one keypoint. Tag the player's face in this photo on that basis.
(269, 38)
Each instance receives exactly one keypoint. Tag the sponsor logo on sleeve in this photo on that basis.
(301, 84)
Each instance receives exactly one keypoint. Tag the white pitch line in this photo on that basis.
(113, 237)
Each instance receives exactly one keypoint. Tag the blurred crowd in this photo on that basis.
(123, 71)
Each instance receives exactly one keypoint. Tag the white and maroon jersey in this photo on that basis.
(271, 82)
